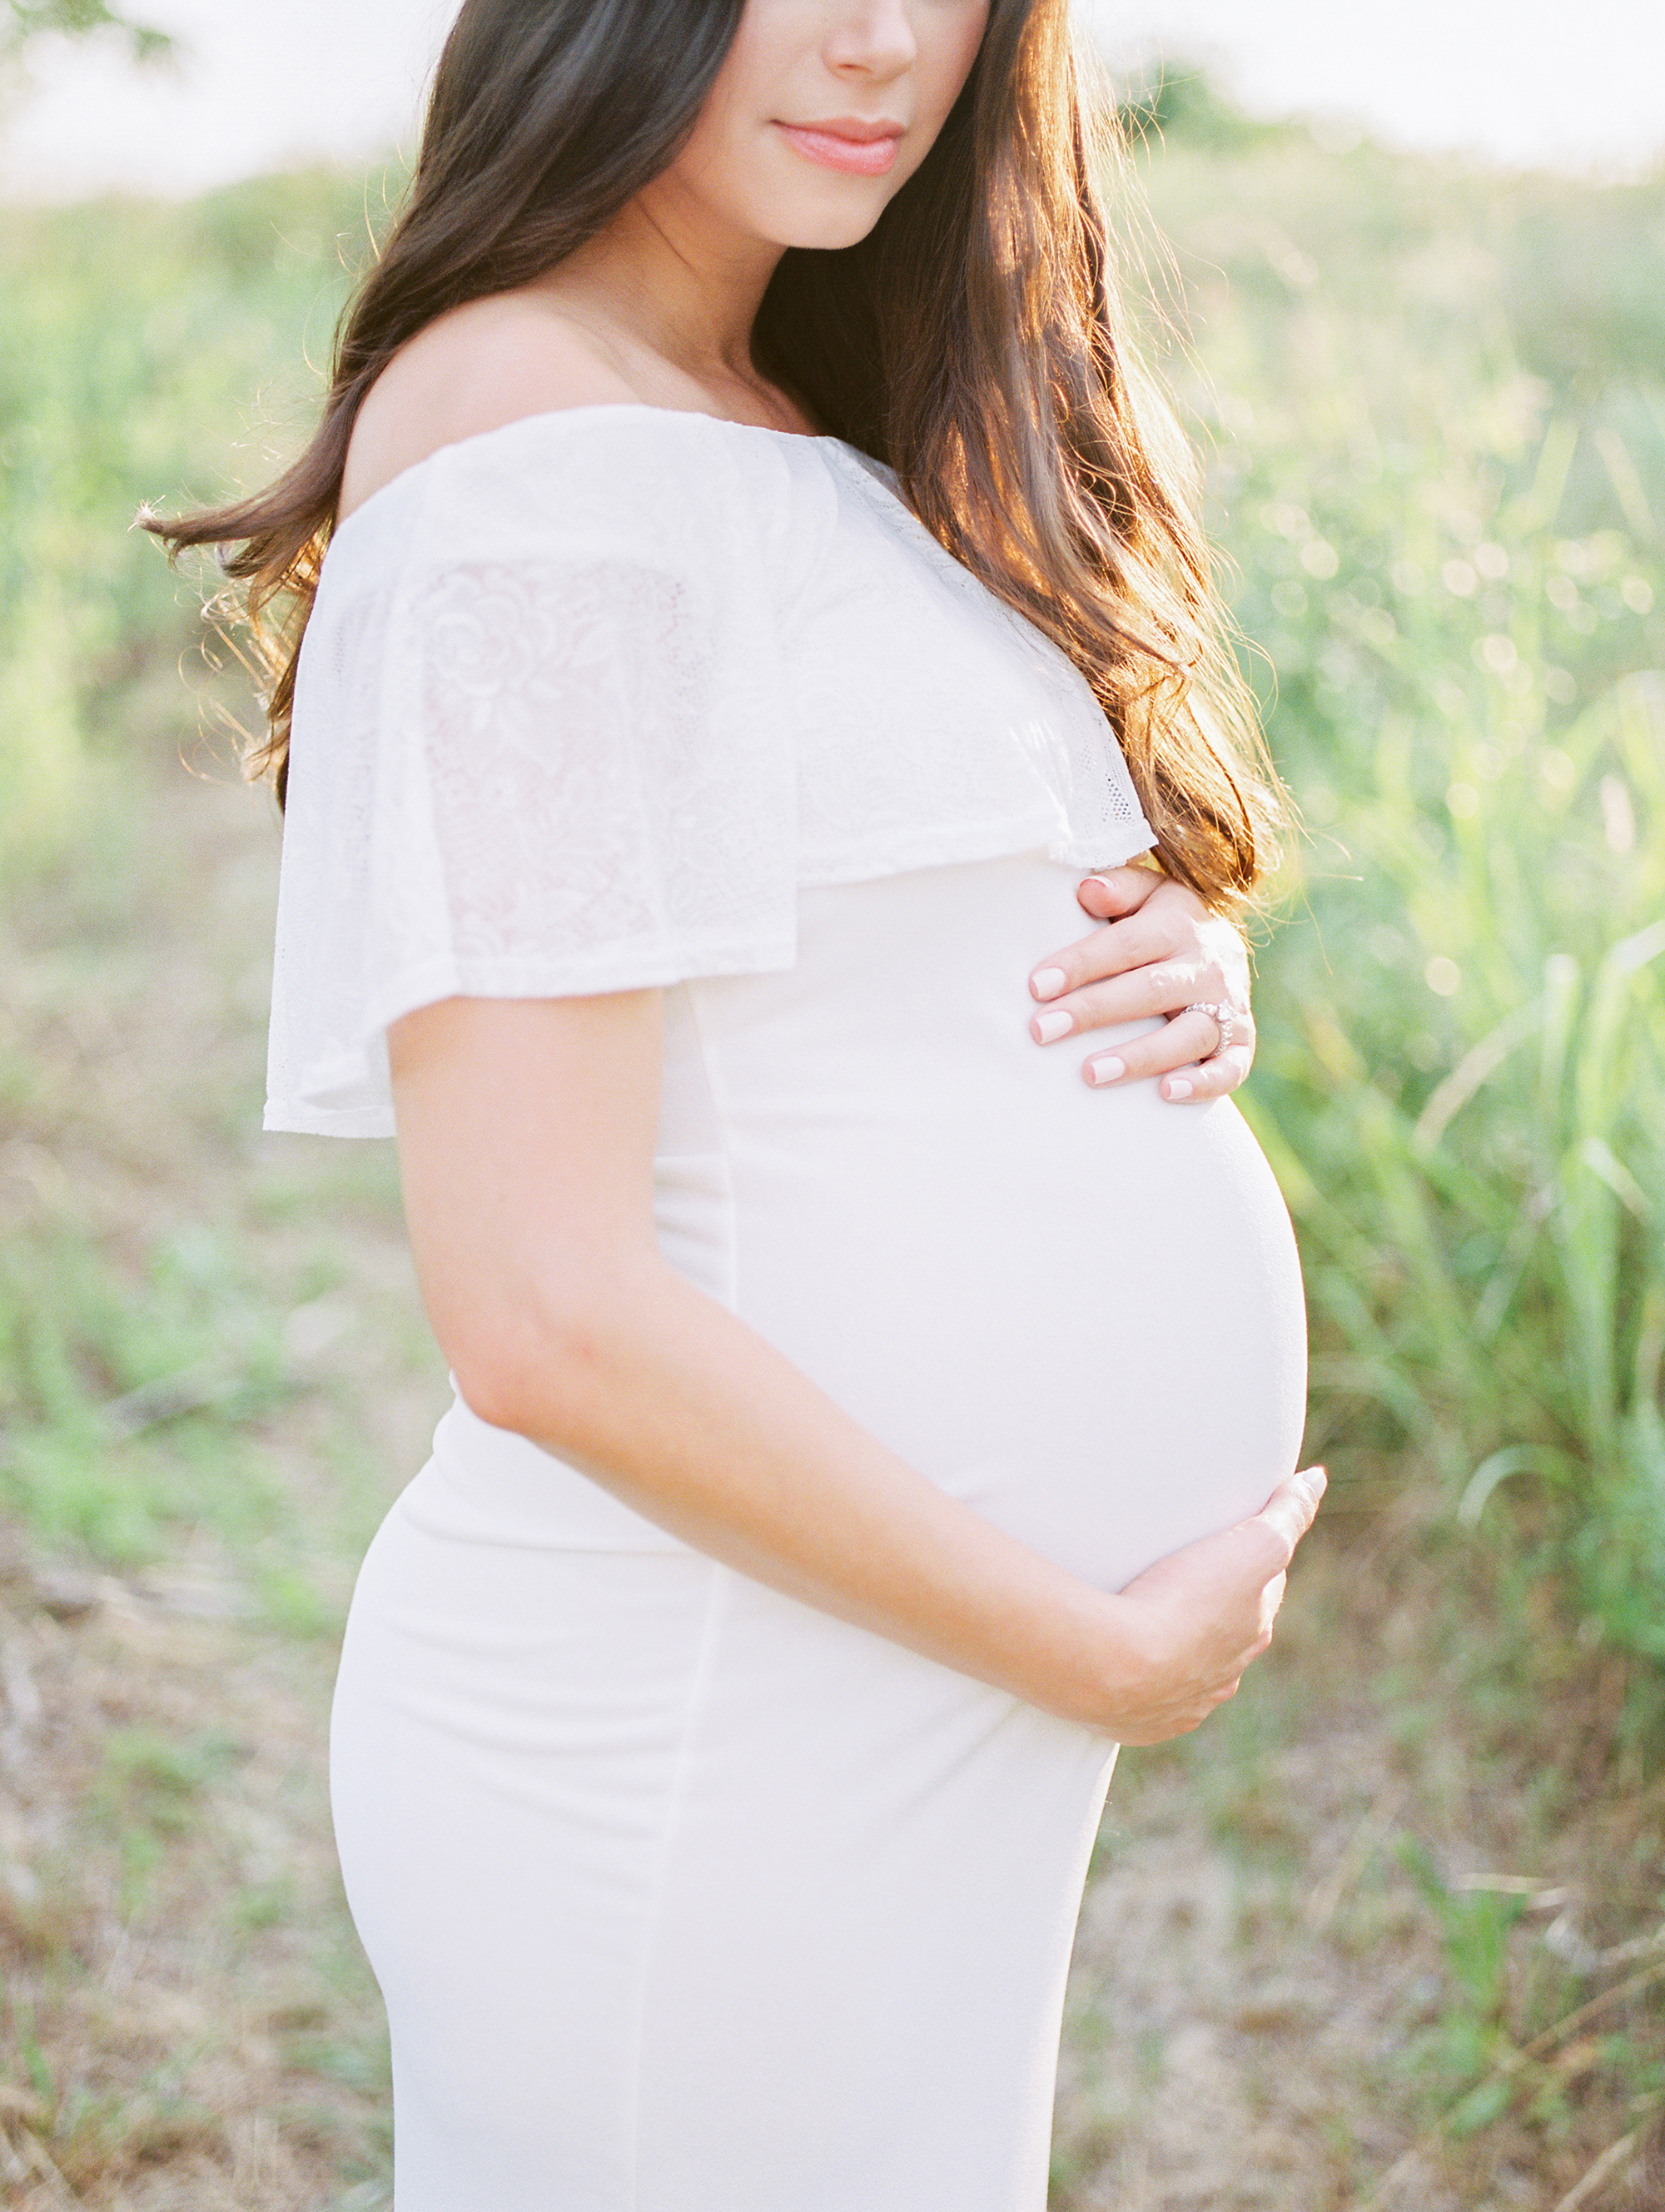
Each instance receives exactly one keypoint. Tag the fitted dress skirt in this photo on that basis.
(683, 1896)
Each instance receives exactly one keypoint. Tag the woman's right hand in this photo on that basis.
(1203, 1613)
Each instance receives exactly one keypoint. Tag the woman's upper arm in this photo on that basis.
(526, 1129)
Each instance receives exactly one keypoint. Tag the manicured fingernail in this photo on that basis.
(1048, 1028)
(1107, 1070)
(1179, 1088)
(1047, 982)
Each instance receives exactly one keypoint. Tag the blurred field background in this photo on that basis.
(1391, 1931)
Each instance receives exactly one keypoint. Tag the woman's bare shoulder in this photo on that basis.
(482, 365)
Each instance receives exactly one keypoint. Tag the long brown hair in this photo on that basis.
(973, 340)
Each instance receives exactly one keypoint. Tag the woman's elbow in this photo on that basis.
(544, 1371)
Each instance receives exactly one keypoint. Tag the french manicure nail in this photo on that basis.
(1107, 1070)
(1048, 1028)
(1047, 982)
(1179, 1088)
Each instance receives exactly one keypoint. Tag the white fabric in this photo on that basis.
(584, 702)
(685, 1896)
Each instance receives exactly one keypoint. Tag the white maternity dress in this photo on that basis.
(683, 1896)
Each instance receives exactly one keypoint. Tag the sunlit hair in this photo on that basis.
(973, 340)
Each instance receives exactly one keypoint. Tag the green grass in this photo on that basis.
(1435, 407)
(147, 353)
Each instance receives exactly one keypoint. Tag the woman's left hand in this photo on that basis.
(1160, 951)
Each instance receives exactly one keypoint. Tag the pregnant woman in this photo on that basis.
(750, 580)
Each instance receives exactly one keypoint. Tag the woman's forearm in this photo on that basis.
(688, 1416)
(526, 1137)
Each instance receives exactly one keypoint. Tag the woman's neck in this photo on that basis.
(669, 280)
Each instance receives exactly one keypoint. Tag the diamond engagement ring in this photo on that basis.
(1221, 1017)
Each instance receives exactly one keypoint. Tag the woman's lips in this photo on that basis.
(857, 157)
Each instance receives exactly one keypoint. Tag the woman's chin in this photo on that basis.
(820, 222)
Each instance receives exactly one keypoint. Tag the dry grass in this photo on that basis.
(1388, 1935)
(187, 2020)
(1288, 1995)
(191, 2023)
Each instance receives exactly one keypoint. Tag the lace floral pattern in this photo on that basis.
(585, 702)
(581, 815)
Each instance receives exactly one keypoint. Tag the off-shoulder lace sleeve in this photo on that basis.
(537, 751)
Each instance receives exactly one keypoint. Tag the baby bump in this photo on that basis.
(1081, 1313)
